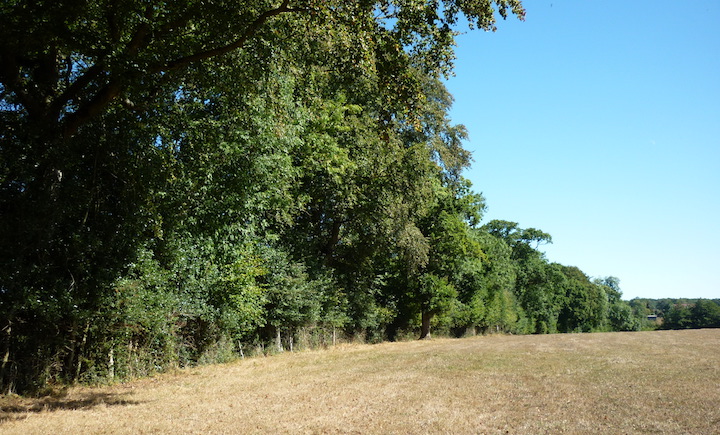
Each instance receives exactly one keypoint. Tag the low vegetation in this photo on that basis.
(660, 382)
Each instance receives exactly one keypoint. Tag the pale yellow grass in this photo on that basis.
(616, 383)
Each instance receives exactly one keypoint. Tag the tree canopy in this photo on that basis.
(183, 182)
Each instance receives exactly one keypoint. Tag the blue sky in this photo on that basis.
(599, 123)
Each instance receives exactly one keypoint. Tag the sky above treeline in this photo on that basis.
(599, 122)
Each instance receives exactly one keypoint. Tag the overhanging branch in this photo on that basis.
(116, 85)
(238, 43)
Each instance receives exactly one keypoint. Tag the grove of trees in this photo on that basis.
(181, 182)
(680, 313)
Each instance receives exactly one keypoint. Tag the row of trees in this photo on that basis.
(181, 182)
(680, 313)
(702, 314)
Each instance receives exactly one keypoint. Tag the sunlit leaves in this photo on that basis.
(189, 171)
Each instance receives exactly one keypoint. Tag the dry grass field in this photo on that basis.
(664, 382)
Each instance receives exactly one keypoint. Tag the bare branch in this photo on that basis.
(138, 40)
(219, 51)
(92, 108)
(10, 77)
(116, 85)
(78, 85)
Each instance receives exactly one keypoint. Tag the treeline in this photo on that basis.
(680, 313)
(186, 183)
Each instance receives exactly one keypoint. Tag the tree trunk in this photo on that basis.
(73, 348)
(6, 359)
(78, 368)
(278, 340)
(111, 364)
(334, 239)
(425, 328)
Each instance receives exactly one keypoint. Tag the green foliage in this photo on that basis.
(701, 313)
(436, 293)
(677, 317)
(620, 314)
(705, 314)
(585, 308)
(182, 181)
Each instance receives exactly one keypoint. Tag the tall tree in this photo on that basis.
(620, 314)
(539, 286)
(585, 307)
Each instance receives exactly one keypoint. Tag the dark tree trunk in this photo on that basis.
(425, 328)
(6, 385)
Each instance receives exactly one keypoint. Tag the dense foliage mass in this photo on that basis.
(181, 182)
(679, 313)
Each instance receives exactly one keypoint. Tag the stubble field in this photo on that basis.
(665, 382)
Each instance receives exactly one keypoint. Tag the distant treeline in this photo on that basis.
(680, 313)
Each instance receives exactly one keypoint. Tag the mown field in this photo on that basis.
(639, 382)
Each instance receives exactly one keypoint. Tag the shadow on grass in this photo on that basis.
(17, 408)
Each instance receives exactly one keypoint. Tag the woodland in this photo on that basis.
(190, 181)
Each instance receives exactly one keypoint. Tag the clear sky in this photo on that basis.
(598, 121)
